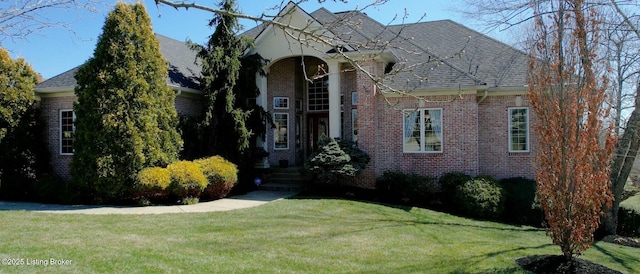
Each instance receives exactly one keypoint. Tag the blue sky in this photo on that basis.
(56, 50)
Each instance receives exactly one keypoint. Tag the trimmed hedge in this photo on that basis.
(221, 175)
(152, 184)
(520, 202)
(481, 197)
(628, 222)
(449, 183)
(187, 179)
(413, 188)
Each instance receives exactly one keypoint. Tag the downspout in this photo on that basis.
(486, 93)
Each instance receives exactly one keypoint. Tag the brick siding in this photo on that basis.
(51, 107)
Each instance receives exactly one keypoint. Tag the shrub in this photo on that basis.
(221, 175)
(449, 183)
(187, 179)
(628, 222)
(153, 183)
(414, 188)
(481, 198)
(393, 185)
(330, 162)
(520, 202)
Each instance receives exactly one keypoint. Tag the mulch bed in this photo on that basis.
(540, 264)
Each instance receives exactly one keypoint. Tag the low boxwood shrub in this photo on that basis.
(449, 183)
(187, 179)
(413, 188)
(221, 175)
(628, 222)
(152, 183)
(520, 202)
(392, 186)
(481, 198)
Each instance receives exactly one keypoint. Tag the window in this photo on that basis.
(354, 125)
(280, 132)
(318, 94)
(422, 130)
(281, 102)
(518, 130)
(354, 98)
(66, 131)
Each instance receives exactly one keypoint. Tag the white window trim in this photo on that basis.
(60, 128)
(422, 131)
(509, 131)
(286, 100)
(275, 137)
(354, 98)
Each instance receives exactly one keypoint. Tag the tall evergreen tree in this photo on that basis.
(125, 118)
(224, 122)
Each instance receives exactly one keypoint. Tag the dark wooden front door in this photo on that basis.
(317, 128)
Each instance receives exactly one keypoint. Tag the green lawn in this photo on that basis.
(289, 236)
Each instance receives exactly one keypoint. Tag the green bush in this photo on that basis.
(628, 222)
(393, 185)
(481, 198)
(449, 183)
(187, 179)
(221, 175)
(414, 188)
(520, 202)
(331, 163)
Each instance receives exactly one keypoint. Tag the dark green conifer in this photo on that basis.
(125, 117)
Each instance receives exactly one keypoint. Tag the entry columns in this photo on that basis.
(334, 99)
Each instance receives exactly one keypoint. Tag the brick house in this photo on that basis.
(427, 97)
(57, 96)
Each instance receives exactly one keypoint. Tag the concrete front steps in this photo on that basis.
(284, 179)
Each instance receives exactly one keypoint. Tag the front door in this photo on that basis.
(317, 128)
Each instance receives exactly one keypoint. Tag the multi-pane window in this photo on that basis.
(66, 131)
(518, 129)
(280, 132)
(281, 102)
(318, 94)
(422, 130)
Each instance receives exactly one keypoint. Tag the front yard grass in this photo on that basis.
(289, 236)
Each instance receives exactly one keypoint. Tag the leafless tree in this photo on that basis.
(347, 42)
(19, 19)
(622, 39)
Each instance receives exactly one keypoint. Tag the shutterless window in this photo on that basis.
(281, 102)
(518, 129)
(318, 94)
(280, 132)
(422, 130)
(66, 132)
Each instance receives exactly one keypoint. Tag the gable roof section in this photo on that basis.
(182, 74)
(428, 52)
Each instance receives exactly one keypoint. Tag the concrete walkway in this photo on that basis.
(248, 200)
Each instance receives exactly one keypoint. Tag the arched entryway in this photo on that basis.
(299, 100)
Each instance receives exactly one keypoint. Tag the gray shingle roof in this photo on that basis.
(433, 55)
(182, 73)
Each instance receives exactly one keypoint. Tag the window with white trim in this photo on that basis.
(318, 94)
(280, 132)
(67, 128)
(280, 102)
(518, 129)
(422, 130)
